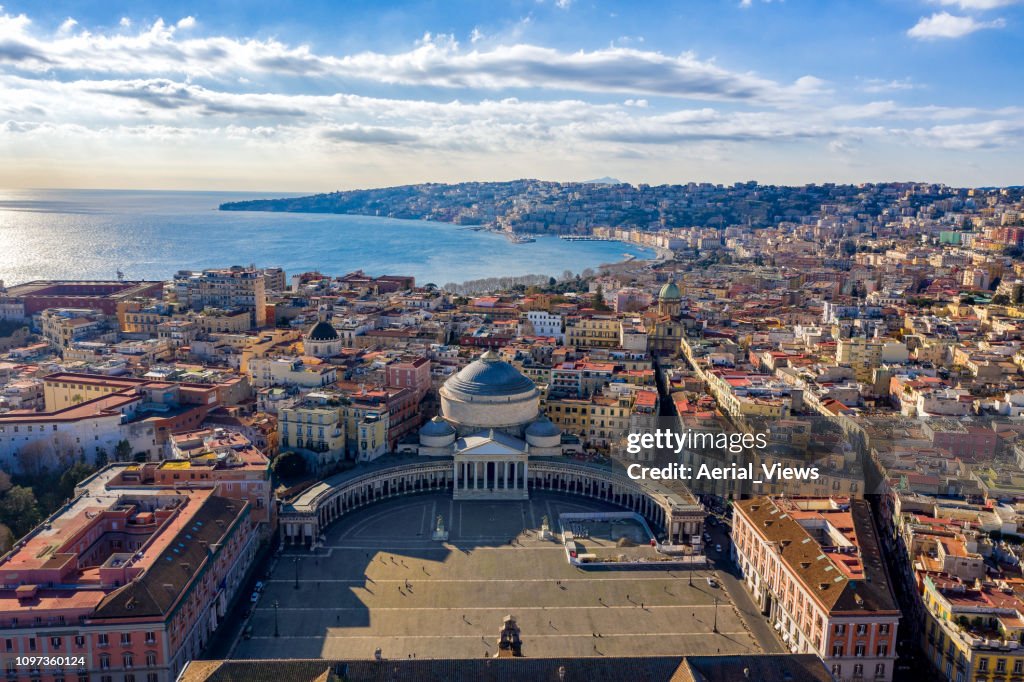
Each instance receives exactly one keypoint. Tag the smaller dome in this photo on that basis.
(543, 428)
(669, 292)
(437, 428)
(322, 331)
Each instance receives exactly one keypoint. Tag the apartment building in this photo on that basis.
(814, 567)
(224, 288)
(132, 578)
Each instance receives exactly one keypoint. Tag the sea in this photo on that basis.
(94, 234)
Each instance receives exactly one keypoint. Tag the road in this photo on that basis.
(756, 624)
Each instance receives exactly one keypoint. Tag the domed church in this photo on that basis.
(322, 340)
(491, 423)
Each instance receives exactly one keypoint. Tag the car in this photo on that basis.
(707, 537)
(255, 597)
(259, 585)
(718, 548)
(247, 632)
(712, 582)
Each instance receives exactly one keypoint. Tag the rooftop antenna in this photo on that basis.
(120, 276)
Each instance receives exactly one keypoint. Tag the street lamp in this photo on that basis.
(296, 562)
(715, 628)
(277, 632)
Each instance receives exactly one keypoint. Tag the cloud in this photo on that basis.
(373, 135)
(67, 26)
(946, 25)
(878, 85)
(977, 4)
(147, 94)
(436, 61)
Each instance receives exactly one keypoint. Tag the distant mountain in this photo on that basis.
(603, 181)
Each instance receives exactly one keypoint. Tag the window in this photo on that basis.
(1000, 665)
(883, 650)
(104, 661)
(1018, 667)
(150, 658)
(126, 639)
(858, 650)
(55, 642)
(31, 643)
(128, 660)
(858, 670)
(862, 629)
(883, 629)
(102, 640)
(9, 644)
(150, 637)
(837, 650)
(840, 629)
(79, 641)
(880, 670)
(983, 665)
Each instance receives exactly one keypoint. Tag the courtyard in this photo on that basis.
(379, 580)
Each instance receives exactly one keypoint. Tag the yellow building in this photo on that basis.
(599, 420)
(596, 331)
(972, 632)
(314, 425)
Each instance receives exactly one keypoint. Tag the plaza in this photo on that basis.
(379, 581)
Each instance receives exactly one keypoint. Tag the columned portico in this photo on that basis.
(492, 466)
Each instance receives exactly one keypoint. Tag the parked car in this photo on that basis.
(259, 585)
(718, 548)
(712, 582)
(247, 632)
(255, 597)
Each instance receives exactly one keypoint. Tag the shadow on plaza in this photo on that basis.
(378, 558)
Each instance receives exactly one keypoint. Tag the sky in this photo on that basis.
(325, 95)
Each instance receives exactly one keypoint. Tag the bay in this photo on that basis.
(91, 234)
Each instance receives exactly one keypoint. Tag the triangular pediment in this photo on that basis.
(494, 444)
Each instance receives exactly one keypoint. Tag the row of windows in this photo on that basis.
(861, 650)
(858, 670)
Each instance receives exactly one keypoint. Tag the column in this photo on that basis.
(504, 480)
(475, 483)
(526, 475)
(455, 471)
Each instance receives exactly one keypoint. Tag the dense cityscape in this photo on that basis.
(177, 454)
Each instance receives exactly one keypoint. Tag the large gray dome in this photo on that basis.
(490, 376)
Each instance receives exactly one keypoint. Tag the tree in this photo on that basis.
(289, 465)
(123, 450)
(78, 472)
(1000, 299)
(5, 482)
(6, 539)
(599, 303)
(19, 509)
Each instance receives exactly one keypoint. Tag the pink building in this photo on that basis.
(411, 373)
(814, 567)
(123, 584)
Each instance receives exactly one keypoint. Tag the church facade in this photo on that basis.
(490, 424)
